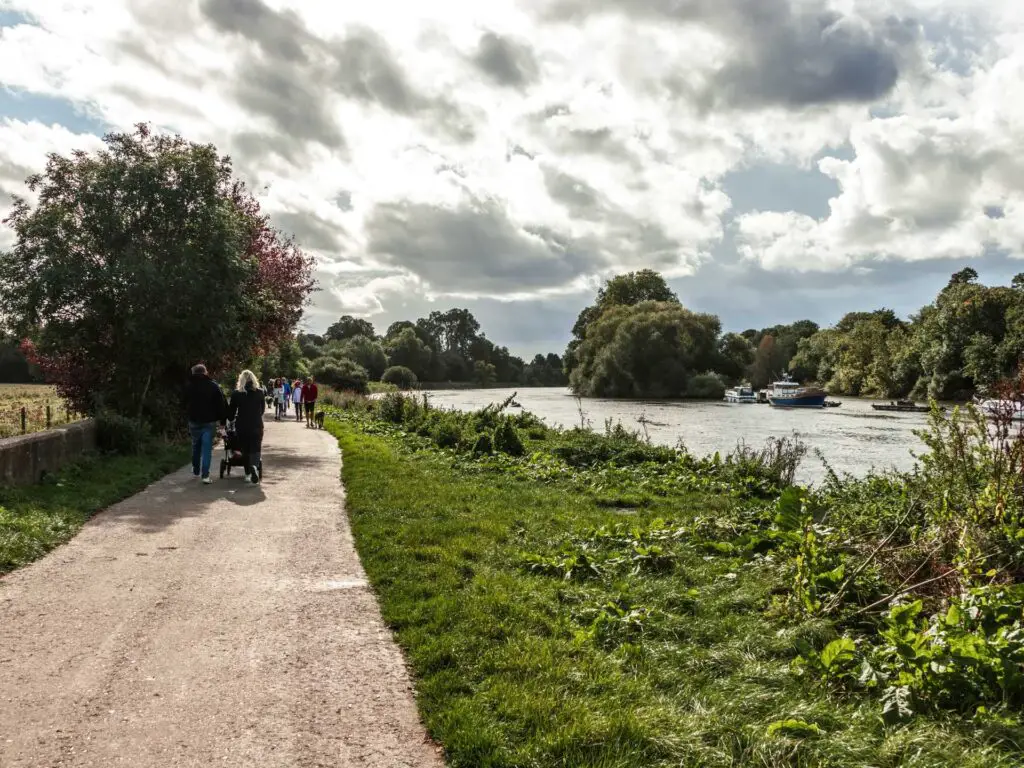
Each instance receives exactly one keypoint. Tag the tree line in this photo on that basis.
(442, 347)
(637, 340)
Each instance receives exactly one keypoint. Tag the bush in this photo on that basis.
(447, 431)
(507, 439)
(618, 446)
(706, 386)
(341, 373)
(400, 376)
(483, 445)
(119, 434)
(392, 408)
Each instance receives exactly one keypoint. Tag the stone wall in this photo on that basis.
(26, 458)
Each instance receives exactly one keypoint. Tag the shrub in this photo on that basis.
(447, 431)
(119, 434)
(392, 408)
(400, 376)
(483, 445)
(706, 386)
(583, 448)
(341, 373)
(507, 439)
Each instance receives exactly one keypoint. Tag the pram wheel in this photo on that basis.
(223, 468)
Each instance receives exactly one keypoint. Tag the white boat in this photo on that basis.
(1002, 409)
(742, 394)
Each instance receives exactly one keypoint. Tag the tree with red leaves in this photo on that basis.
(140, 260)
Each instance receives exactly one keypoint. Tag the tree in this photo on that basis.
(140, 260)
(348, 327)
(408, 350)
(651, 349)
(765, 366)
(622, 290)
(342, 374)
(400, 376)
(456, 329)
(397, 327)
(364, 350)
(734, 356)
(633, 288)
(484, 374)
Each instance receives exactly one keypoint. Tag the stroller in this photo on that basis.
(233, 455)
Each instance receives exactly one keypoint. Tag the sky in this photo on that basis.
(774, 159)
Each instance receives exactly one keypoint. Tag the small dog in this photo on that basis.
(319, 419)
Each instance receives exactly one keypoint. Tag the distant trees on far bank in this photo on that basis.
(637, 340)
(442, 347)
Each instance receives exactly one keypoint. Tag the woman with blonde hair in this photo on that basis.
(246, 407)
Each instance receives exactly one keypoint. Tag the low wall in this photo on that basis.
(26, 458)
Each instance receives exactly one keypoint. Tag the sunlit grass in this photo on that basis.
(512, 668)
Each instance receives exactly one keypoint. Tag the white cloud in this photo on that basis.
(507, 149)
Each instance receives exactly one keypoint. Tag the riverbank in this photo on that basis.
(581, 600)
(35, 519)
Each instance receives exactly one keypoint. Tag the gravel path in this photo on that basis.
(222, 625)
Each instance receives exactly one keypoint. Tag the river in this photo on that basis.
(853, 438)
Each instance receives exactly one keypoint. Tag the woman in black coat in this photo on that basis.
(246, 407)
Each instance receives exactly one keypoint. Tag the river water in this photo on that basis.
(853, 438)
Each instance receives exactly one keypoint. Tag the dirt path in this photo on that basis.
(222, 625)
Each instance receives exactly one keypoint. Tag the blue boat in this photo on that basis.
(787, 393)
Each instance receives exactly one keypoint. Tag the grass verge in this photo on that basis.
(35, 519)
(554, 624)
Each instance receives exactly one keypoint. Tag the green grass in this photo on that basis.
(35, 519)
(645, 665)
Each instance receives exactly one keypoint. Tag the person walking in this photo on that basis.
(297, 398)
(309, 393)
(206, 406)
(246, 408)
(287, 399)
(278, 391)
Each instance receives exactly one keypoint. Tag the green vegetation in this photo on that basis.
(38, 402)
(443, 347)
(36, 519)
(121, 253)
(580, 599)
(968, 339)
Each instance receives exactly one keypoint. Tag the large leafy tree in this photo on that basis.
(622, 290)
(366, 351)
(348, 327)
(652, 349)
(139, 260)
(406, 349)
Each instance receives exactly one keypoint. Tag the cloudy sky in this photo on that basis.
(777, 159)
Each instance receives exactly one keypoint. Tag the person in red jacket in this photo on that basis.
(309, 393)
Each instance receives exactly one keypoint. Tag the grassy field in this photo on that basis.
(562, 618)
(35, 519)
(34, 398)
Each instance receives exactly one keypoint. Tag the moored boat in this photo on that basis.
(787, 393)
(903, 406)
(741, 394)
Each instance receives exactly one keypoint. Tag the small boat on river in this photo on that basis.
(787, 393)
(832, 403)
(902, 406)
(741, 394)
